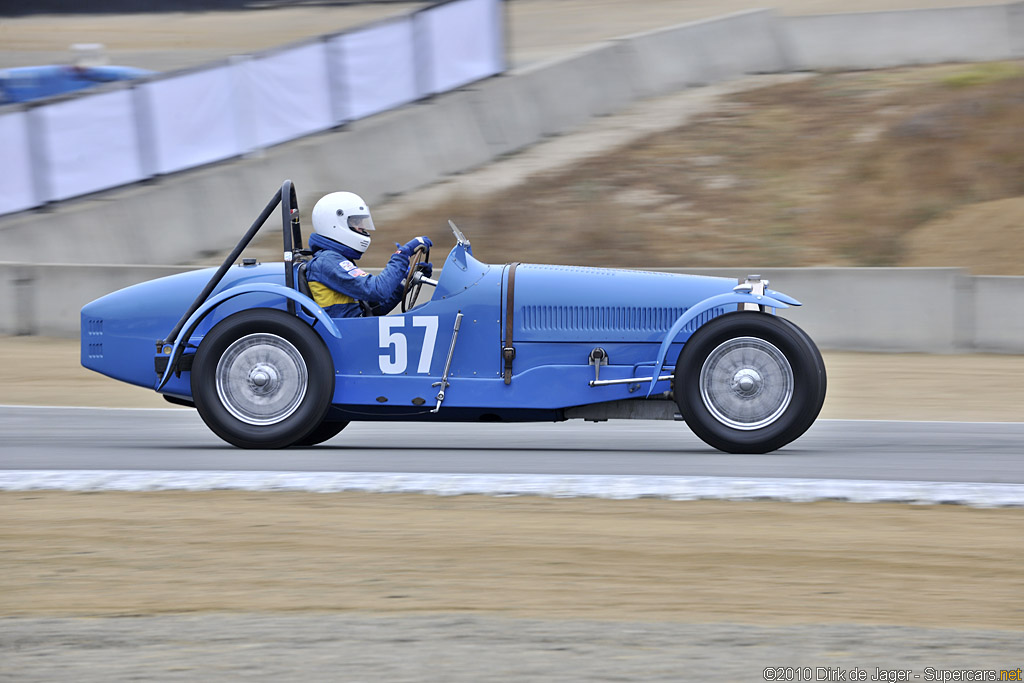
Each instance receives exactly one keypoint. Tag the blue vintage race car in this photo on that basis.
(27, 83)
(265, 367)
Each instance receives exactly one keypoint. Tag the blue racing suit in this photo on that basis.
(338, 284)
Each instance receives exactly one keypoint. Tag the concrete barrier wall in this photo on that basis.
(706, 52)
(46, 299)
(930, 310)
(998, 314)
(1016, 16)
(557, 96)
(876, 309)
(513, 112)
(882, 39)
(565, 93)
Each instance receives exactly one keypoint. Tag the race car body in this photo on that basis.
(266, 367)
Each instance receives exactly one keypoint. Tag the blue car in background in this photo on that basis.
(27, 83)
(266, 367)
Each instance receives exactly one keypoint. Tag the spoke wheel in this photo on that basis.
(262, 379)
(748, 382)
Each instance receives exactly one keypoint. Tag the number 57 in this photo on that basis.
(395, 348)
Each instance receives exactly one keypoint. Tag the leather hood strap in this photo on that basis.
(508, 352)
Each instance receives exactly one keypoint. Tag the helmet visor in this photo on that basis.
(361, 223)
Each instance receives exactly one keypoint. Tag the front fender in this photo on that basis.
(704, 306)
(265, 287)
(785, 298)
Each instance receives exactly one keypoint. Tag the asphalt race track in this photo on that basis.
(37, 438)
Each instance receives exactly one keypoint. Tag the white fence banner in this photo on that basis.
(90, 144)
(286, 94)
(462, 40)
(373, 69)
(193, 119)
(16, 193)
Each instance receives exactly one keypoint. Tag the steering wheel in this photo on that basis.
(412, 288)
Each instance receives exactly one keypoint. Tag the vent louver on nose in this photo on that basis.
(94, 331)
(609, 318)
(599, 318)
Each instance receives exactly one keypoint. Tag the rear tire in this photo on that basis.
(262, 379)
(749, 382)
(325, 432)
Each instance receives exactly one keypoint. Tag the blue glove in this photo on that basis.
(411, 245)
(426, 268)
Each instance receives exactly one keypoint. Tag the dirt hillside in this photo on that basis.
(884, 168)
(987, 237)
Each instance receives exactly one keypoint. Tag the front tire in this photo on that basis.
(749, 382)
(262, 379)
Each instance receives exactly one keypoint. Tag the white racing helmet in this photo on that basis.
(344, 218)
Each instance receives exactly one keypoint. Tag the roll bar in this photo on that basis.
(292, 235)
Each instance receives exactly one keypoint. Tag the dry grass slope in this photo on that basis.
(841, 169)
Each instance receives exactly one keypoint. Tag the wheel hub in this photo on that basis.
(746, 383)
(261, 379)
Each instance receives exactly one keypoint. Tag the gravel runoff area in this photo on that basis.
(475, 649)
(358, 587)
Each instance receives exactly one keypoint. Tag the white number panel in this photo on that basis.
(395, 346)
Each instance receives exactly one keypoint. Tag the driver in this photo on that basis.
(341, 225)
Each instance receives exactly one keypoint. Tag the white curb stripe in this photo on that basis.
(557, 486)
